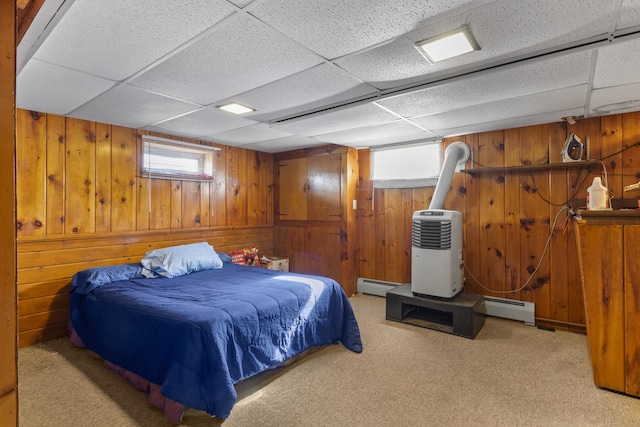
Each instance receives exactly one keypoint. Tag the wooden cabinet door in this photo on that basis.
(602, 282)
(292, 202)
(324, 195)
(310, 188)
(632, 308)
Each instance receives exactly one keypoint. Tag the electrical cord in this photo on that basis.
(610, 194)
(571, 198)
(620, 151)
(544, 252)
(565, 207)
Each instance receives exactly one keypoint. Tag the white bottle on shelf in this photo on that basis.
(597, 196)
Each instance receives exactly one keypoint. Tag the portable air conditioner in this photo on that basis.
(436, 253)
(436, 236)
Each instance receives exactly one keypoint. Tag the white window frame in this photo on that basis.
(385, 159)
(164, 147)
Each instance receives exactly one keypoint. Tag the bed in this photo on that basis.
(195, 334)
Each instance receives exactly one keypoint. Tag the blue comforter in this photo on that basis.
(199, 334)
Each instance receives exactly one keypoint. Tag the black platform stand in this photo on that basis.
(461, 315)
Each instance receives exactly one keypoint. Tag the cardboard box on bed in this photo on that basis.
(275, 263)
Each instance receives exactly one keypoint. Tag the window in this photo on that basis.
(169, 159)
(406, 166)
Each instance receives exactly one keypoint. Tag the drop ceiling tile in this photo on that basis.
(248, 135)
(629, 14)
(396, 131)
(284, 144)
(540, 76)
(617, 64)
(333, 28)
(394, 63)
(206, 121)
(41, 86)
(128, 106)
(322, 85)
(237, 56)
(619, 99)
(539, 119)
(557, 100)
(504, 30)
(116, 38)
(507, 27)
(347, 118)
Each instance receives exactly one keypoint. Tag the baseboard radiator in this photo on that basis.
(375, 287)
(510, 309)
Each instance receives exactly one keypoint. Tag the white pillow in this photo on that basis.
(180, 260)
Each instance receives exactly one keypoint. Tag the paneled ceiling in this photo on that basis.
(331, 71)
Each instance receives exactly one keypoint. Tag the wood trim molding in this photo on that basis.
(25, 17)
(8, 288)
(133, 235)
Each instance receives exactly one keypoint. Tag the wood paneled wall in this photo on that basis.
(507, 216)
(81, 202)
(8, 306)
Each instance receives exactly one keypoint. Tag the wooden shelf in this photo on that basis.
(525, 168)
(620, 217)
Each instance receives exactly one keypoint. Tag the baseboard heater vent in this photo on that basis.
(375, 287)
(510, 309)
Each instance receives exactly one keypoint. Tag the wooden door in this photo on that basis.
(324, 198)
(293, 189)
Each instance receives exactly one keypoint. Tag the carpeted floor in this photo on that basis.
(510, 375)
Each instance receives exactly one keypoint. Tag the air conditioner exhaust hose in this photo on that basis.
(455, 156)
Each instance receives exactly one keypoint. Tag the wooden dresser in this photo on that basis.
(609, 257)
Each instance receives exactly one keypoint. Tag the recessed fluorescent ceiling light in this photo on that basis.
(235, 108)
(448, 45)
